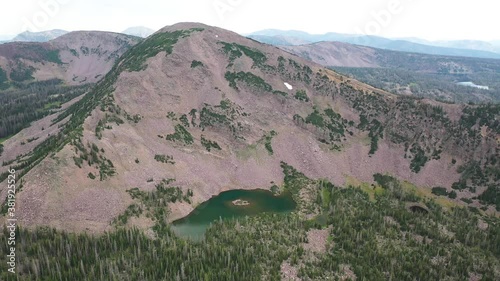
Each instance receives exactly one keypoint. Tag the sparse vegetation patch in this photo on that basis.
(165, 159)
(249, 79)
(180, 135)
(195, 64)
(268, 141)
(209, 145)
(301, 95)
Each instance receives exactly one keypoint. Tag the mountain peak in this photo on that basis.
(82, 35)
(187, 25)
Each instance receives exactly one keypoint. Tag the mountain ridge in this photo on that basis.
(191, 87)
(270, 37)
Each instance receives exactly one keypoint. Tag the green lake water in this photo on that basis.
(221, 206)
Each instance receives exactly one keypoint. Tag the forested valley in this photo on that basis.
(25, 103)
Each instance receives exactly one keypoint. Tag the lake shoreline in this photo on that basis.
(229, 205)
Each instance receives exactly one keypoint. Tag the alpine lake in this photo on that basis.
(231, 205)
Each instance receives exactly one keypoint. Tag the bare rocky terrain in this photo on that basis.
(200, 84)
(76, 58)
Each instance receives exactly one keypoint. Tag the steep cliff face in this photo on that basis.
(216, 111)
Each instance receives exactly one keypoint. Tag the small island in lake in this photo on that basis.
(239, 202)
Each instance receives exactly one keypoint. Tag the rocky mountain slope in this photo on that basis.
(337, 54)
(215, 111)
(76, 58)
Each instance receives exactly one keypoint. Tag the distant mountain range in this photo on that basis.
(42, 36)
(492, 46)
(5, 38)
(339, 54)
(139, 31)
(45, 36)
(464, 48)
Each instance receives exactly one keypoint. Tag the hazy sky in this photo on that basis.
(428, 19)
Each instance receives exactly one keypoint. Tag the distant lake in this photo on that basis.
(251, 203)
(471, 84)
